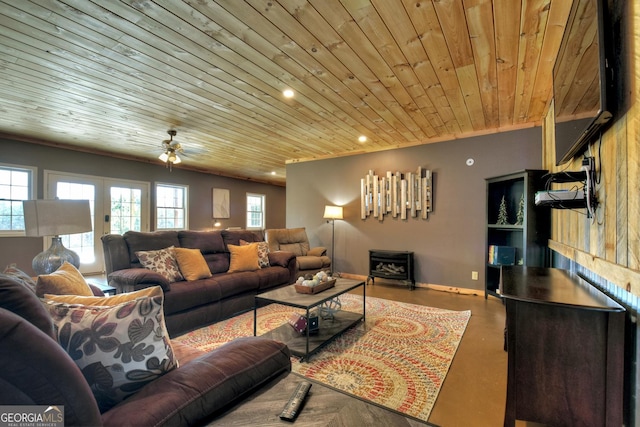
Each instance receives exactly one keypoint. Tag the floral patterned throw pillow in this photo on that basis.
(263, 252)
(162, 261)
(119, 349)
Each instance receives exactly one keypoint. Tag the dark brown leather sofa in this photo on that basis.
(192, 304)
(37, 371)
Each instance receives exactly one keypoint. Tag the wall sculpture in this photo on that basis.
(396, 194)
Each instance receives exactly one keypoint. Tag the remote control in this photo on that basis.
(292, 407)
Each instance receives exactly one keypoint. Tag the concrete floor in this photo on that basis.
(474, 391)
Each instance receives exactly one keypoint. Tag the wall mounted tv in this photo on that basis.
(582, 79)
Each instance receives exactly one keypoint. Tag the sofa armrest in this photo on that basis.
(317, 251)
(37, 371)
(196, 390)
(281, 258)
(133, 279)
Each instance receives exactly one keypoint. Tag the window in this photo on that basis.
(255, 211)
(16, 184)
(117, 206)
(171, 207)
(126, 206)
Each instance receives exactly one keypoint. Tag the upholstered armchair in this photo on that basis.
(309, 260)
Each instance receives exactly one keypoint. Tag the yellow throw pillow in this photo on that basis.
(192, 264)
(243, 258)
(106, 301)
(66, 280)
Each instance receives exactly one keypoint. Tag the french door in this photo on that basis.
(116, 206)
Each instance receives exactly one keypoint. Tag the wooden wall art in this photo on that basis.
(396, 194)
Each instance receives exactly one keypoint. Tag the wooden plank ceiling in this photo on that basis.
(113, 76)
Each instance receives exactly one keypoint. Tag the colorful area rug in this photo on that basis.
(398, 359)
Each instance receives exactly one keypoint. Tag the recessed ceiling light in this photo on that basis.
(288, 93)
(362, 138)
(273, 172)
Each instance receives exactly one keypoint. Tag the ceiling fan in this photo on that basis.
(171, 150)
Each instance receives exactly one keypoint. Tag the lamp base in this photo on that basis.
(50, 260)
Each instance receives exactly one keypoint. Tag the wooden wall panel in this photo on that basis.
(610, 245)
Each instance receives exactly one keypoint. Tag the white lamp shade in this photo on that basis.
(56, 217)
(332, 212)
(164, 157)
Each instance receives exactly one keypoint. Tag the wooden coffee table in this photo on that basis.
(307, 343)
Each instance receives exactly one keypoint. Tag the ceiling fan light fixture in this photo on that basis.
(170, 155)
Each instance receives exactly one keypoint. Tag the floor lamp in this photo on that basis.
(55, 217)
(332, 213)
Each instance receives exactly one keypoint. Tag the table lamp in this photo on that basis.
(332, 213)
(54, 218)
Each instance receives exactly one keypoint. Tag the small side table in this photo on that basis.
(391, 265)
(101, 283)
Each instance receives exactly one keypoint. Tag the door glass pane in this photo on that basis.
(81, 243)
(126, 209)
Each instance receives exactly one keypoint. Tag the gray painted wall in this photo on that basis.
(21, 250)
(451, 243)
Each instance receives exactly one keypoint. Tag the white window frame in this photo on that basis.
(185, 202)
(32, 190)
(102, 207)
(262, 213)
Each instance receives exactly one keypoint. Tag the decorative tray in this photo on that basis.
(315, 289)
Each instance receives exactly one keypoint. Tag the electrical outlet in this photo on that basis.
(474, 275)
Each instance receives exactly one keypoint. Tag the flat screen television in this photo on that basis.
(582, 79)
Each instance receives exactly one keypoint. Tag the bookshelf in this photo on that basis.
(519, 239)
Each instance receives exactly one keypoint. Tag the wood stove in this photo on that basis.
(391, 265)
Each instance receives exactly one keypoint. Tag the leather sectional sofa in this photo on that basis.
(192, 304)
(36, 370)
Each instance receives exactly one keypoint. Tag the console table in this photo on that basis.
(391, 265)
(565, 343)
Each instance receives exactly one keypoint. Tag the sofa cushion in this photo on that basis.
(298, 249)
(162, 261)
(207, 241)
(309, 262)
(192, 264)
(206, 385)
(13, 271)
(187, 295)
(273, 277)
(119, 348)
(149, 241)
(37, 371)
(288, 239)
(233, 237)
(21, 300)
(263, 252)
(243, 258)
(66, 280)
(237, 283)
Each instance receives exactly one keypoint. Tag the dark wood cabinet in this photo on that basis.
(565, 343)
(527, 229)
